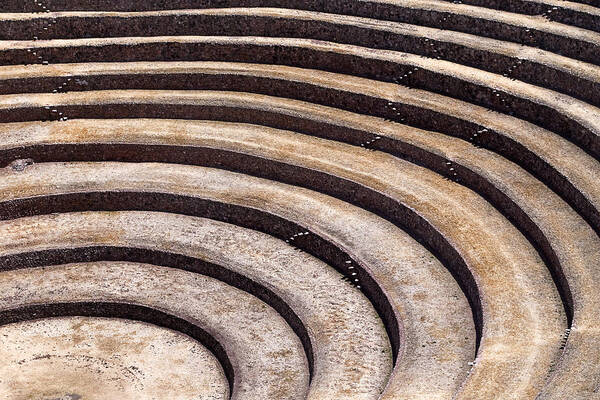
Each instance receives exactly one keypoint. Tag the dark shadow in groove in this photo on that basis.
(237, 215)
(446, 85)
(381, 10)
(273, 170)
(278, 227)
(530, 71)
(125, 311)
(364, 104)
(533, 7)
(253, 25)
(161, 258)
(233, 214)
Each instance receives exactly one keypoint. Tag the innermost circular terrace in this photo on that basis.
(95, 358)
(288, 199)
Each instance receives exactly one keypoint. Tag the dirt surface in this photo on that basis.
(284, 199)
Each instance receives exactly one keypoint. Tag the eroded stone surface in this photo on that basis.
(427, 82)
(97, 358)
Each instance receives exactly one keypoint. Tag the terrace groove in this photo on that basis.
(360, 199)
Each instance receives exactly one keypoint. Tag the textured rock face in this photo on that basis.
(95, 358)
(282, 199)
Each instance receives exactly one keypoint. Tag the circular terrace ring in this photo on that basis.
(299, 200)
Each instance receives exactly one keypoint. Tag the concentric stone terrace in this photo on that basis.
(285, 199)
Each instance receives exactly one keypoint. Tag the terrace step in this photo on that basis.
(339, 326)
(408, 189)
(570, 247)
(479, 246)
(236, 320)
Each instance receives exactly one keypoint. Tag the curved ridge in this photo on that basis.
(483, 274)
(244, 259)
(420, 148)
(77, 285)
